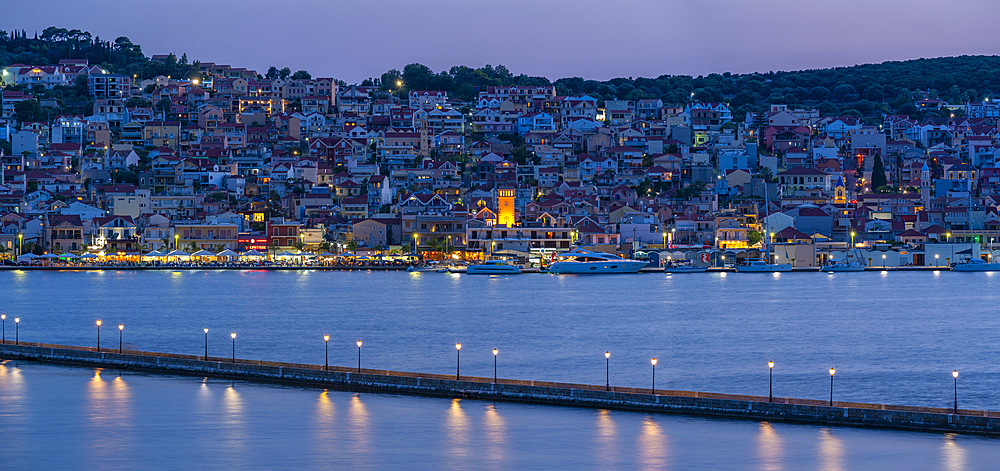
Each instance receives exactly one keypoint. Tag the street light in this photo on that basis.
(359, 356)
(176, 237)
(832, 371)
(17, 322)
(3, 320)
(121, 335)
(653, 389)
(98, 335)
(954, 374)
(326, 353)
(770, 375)
(936, 260)
(607, 370)
(233, 335)
(495, 351)
(883, 261)
(458, 361)
(206, 343)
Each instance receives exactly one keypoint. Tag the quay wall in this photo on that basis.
(267, 268)
(729, 406)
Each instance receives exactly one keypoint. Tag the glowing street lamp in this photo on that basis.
(607, 370)
(954, 374)
(98, 335)
(359, 356)
(936, 256)
(3, 320)
(121, 335)
(233, 335)
(883, 261)
(206, 343)
(176, 238)
(495, 352)
(832, 372)
(458, 361)
(770, 375)
(326, 354)
(17, 323)
(653, 389)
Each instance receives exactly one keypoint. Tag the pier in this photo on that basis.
(791, 410)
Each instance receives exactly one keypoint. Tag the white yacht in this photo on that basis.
(976, 265)
(493, 267)
(843, 266)
(683, 266)
(760, 266)
(584, 262)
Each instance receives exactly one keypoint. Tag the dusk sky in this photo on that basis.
(352, 40)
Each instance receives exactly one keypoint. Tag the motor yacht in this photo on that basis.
(493, 267)
(586, 262)
(843, 267)
(976, 265)
(760, 266)
(683, 267)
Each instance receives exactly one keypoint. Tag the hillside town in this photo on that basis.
(229, 160)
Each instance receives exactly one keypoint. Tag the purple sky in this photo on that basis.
(595, 39)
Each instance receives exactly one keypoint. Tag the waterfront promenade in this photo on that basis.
(781, 409)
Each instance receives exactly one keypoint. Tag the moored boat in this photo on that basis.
(586, 262)
(493, 267)
(759, 266)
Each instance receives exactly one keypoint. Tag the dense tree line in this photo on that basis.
(865, 90)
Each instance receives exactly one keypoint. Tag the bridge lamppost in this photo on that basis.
(832, 372)
(770, 376)
(607, 370)
(954, 374)
(359, 356)
(495, 352)
(326, 352)
(652, 390)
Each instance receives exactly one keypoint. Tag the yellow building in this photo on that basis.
(505, 208)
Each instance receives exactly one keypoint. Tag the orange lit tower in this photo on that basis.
(505, 207)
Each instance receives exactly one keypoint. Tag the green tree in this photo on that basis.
(878, 173)
(301, 75)
(28, 110)
(753, 238)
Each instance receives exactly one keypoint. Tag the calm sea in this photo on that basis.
(893, 337)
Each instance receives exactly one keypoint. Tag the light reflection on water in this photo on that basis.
(770, 448)
(831, 451)
(139, 421)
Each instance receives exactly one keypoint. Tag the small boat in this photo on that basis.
(683, 267)
(493, 267)
(976, 265)
(458, 268)
(587, 262)
(759, 266)
(421, 269)
(843, 267)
